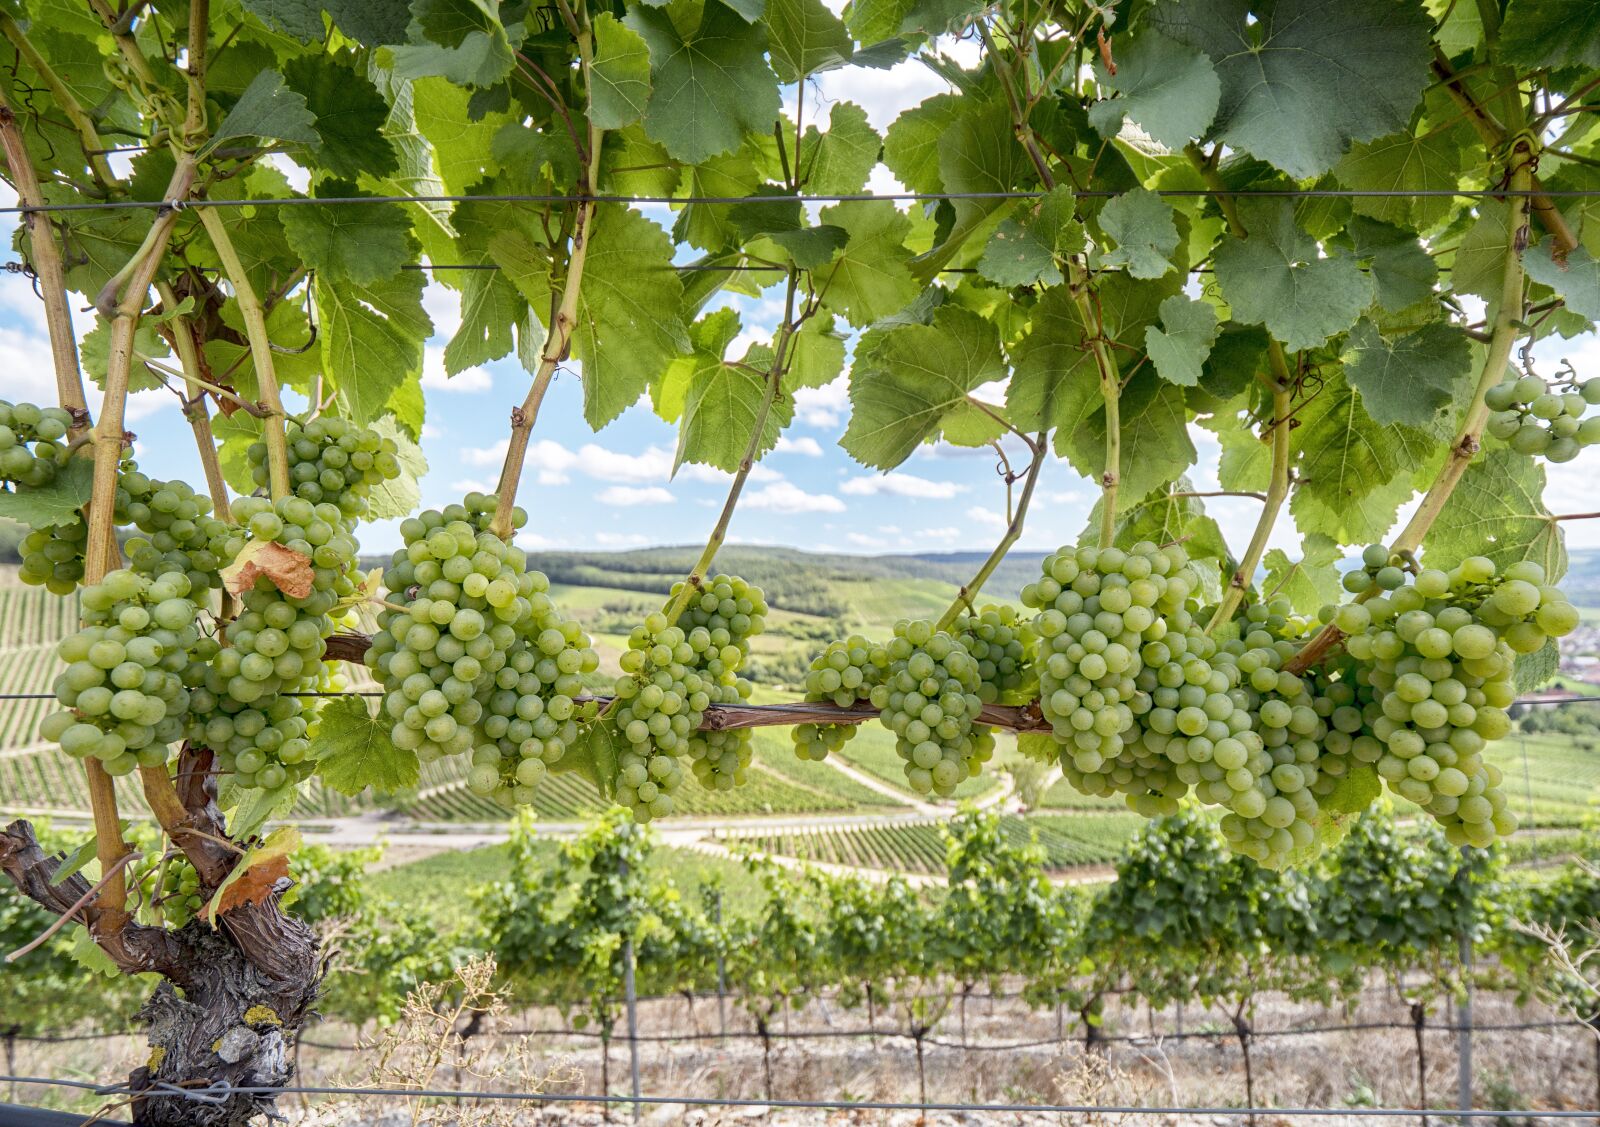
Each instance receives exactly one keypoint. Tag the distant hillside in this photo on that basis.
(1582, 583)
(795, 580)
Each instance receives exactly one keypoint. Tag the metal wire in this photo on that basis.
(213, 1093)
(842, 197)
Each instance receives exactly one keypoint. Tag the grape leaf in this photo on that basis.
(720, 411)
(1551, 33)
(94, 352)
(1344, 459)
(360, 243)
(369, 22)
(708, 89)
(465, 43)
(1497, 510)
(1302, 79)
(872, 278)
(978, 153)
(1406, 379)
(911, 146)
(1479, 263)
(301, 19)
(350, 116)
(1403, 164)
(912, 377)
(1141, 223)
(1167, 89)
(1276, 277)
(256, 875)
(839, 161)
(286, 569)
(49, 506)
(1577, 279)
(1156, 447)
(804, 37)
(354, 750)
(593, 755)
(816, 354)
(1402, 269)
(490, 306)
(1163, 517)
(630, 322)
(1022, 251)
(1180, 346)
(1310, 582)
(621, 70)
(268, 110)
(1054, 383)
(372, 340)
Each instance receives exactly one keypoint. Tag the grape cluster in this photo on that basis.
(1102, 617)
(125, 692)
(671, 674)
(32, 445)
(1378, 570)
(1435, 662)
(1535, 417)
(463, 591)
(275, 645)
(331, 459)
(845, 673)
(170, 886)
(1002, 643)
(929, 700)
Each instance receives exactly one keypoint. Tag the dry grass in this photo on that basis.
(1546, 1069)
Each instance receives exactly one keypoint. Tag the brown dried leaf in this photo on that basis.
(289, 571)
(256, 875)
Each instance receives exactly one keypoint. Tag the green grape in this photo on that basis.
(31, 447)
(843, 673)
(1501, 397)
(1104, 615)
(125, 691)
(929, 700)
(332, 459)
(729, 612)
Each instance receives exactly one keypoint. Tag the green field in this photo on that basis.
(1067, 840)
(872, 751)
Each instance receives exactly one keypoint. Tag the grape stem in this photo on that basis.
(45, 258)
(1078, 280)
(1575, 516)
(1506, 326)
(558, 340)
(780, 361)
(964, 597)
(255, 329)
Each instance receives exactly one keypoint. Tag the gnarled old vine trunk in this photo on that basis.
(233, 997)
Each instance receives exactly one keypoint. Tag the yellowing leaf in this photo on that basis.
(289, 571)
(256, 875)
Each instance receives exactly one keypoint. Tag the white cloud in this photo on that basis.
(805, 444)
(945, 533)
(980, 515)
(786, 497)
(693, 471)
(629, 495)
(822, 406)
(862, 540)
(532, 541)
(471, 485)
(443, 306)
(902, 485)
(620, 539)
(434, 375)
(489, 455)
(430, 431)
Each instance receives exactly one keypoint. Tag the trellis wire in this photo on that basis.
(218, 1092)
(840, 197)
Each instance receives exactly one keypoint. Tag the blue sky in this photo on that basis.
(613, 489)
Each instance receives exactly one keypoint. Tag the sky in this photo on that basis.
(614, 489)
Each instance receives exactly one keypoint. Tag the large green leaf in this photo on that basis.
(1406, 379)
(1024, 247)
(911, 146)
(621, 69)
(709, 88)
(1403, 272)
(1353, 473)
(1551, 33)
(1310, 582)
(1180, 346)
(804, 38)
(372, 338)
(872, 278)
(902, 390)
(1497, 510)
(1577, 279)
(630, 317)
(1480, 259)
(350, 116)
(400, 495)
(720, 412)
(268, 110)
(1167, 89)
(839, 161)
(463, 42)
(1403, 164)
(1054, 383)
(1277, 277)
(354, 750)
(1141, 224)
(1302, 79)
(1156, 447)
(48, 506)
(360, 243)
